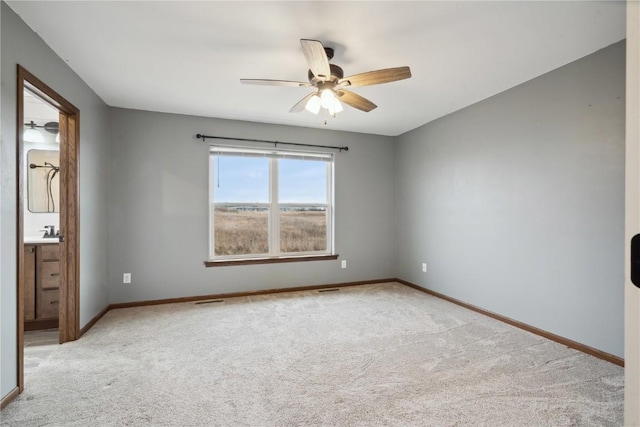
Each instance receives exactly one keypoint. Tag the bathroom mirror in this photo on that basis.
(43, 181)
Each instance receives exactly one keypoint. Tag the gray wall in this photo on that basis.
(3, 294)
(20, 45)
(517, 203)
(158, 208)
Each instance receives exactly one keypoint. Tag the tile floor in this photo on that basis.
(38, 345)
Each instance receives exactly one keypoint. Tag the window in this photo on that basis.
(267, 203)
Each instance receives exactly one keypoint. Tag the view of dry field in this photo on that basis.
(246, 232)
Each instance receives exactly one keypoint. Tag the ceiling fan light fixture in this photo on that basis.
(314, 104)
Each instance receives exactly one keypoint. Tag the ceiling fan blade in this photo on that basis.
(356, 101)
(275, 83)
(316, 58)
(301, 104)
(376, 77)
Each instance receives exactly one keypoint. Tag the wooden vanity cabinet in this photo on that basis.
(29, 282)
(41, 287)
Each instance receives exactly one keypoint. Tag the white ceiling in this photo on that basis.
(187, 57)
(38, 111)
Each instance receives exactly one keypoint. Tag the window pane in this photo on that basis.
(241, 230)
(240, 179)
(302, 181)
(303, 229)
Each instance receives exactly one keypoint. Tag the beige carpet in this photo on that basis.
(38, 346)
(363, 356)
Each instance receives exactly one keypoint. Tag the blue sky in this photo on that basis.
(246, 180)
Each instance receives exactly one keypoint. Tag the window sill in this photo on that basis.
(249, 261)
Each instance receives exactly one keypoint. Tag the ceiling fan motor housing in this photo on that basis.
(336, 74)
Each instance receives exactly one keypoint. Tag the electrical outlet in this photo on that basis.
(126, 278)
(424, 267)
(344, 263)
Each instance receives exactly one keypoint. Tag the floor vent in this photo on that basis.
(211, 301)
(329, 290)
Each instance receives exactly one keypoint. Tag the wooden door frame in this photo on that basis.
(69, 309)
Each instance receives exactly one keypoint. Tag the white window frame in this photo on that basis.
(273, 207)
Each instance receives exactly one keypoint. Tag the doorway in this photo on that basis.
(39, 196)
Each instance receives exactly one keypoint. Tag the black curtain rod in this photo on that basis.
(276, 143)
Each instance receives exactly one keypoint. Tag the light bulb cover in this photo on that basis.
(33, 135)
(313, 104)
(326, 98)
(337, 106)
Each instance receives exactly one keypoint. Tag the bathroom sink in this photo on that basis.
(40, 239)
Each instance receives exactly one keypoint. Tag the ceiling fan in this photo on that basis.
(330, 83)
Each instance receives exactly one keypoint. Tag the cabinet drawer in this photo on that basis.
(50, 252)
(47, 303)
(50, 275)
